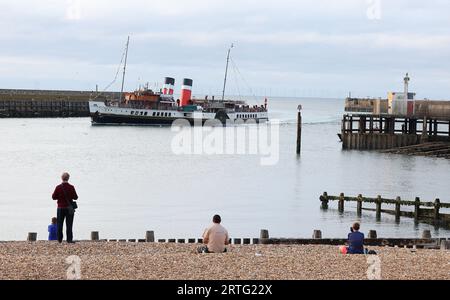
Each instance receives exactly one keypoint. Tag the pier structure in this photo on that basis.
(373, 239)
(386, 131)
(395, 122)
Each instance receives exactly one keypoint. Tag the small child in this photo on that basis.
(53, 230)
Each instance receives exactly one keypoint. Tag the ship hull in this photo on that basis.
(107, 115)
(126, 120)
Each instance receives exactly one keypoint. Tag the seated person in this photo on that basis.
(53, 230)
(215, 238)
(355, 241)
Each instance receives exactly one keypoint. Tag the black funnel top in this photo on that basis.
(188, 82)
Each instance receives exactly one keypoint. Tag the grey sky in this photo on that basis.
(319, 48)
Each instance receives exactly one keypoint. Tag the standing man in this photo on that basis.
(215, 238)
(65, 193)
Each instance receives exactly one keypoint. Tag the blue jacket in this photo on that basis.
(356, 243)
(52, 232)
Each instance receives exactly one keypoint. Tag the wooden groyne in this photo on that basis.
(382, 132)
(264, 239)
(46, 104)
(426, 212)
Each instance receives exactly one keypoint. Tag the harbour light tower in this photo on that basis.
(406, 79)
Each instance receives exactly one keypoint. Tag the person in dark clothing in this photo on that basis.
(53, 230)
(65, 193)
(355, 240)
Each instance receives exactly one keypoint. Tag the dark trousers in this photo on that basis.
(63, 213)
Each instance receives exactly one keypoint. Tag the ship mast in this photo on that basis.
(124, 69)
(226, 73)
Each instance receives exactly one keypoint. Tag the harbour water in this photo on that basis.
(129, 180)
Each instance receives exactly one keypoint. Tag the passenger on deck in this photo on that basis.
(215, 238)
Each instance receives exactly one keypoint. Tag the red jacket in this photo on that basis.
(58, 194)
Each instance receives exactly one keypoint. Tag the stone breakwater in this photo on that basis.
(48, 103)
(97, 260)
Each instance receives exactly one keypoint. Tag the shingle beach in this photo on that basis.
(101, 260)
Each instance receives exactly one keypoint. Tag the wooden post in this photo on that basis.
(372, 234)
(424, 136)
(150, 236)
(445, 245)
(417, 209)
(386, 125)
(426, 235)
(341, 202)
(392, 126)
(95, 236)
(380, 120)
(317, 235)
(359, 205)
(437, 207)
(299, 130)
(412, 126)
(397, 209)
(448, 128)
(430, 127)
(264, 234)
(324, 200)
(362, 124)
(435, 127)
(32, 237)
(378, 208)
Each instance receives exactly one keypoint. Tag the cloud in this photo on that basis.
(73, 12)
(284, 42)
(400, 41)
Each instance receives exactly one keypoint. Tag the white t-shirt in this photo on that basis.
(217, 236)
